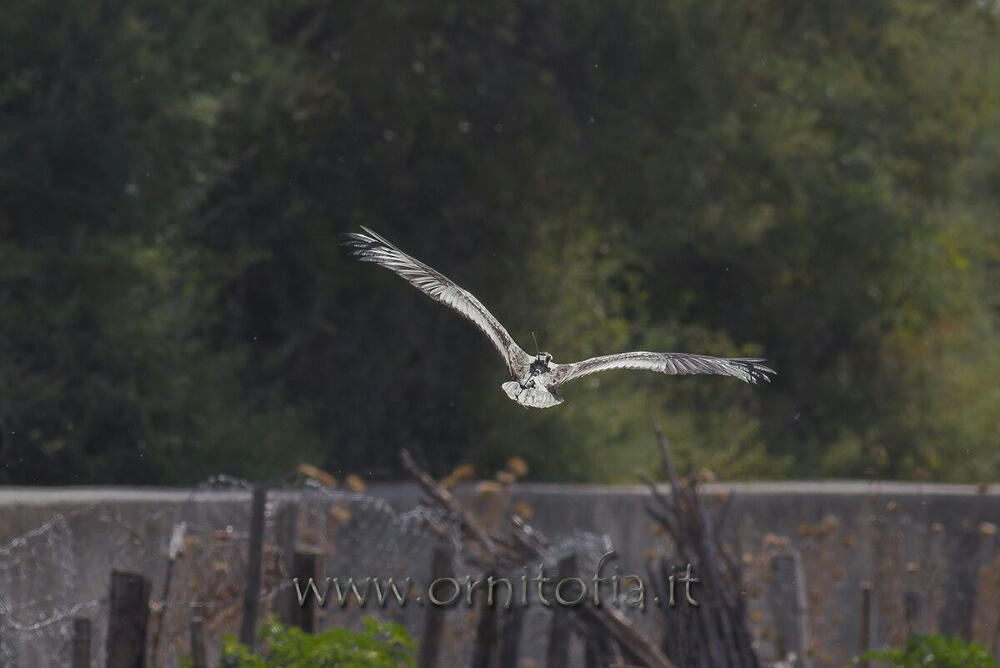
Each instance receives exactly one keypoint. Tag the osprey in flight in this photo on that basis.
(535, 379)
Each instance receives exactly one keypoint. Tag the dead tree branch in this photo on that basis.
(526, 542)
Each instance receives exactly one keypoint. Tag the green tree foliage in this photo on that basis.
(378, 645)
(815, 183)
(933, 652)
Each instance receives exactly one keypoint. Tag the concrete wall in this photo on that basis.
(57, 548)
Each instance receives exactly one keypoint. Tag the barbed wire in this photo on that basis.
(41, 588)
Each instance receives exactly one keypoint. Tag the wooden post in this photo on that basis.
(127, 620)
(434, 619)
(788, 606)
(197, 631)
(81, 643)
(562, 621)
(485, 647)
(865, 636)
(911, 613)
(960, 592)
(306, 566)
(287, 527)
(251, 595)
(601, 651)
(996, 640)
(511, 624)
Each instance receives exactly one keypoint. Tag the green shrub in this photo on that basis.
(934, 652)
(378, 645)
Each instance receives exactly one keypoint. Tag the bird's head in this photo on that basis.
(541, 364)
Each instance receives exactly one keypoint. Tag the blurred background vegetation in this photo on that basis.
(817, 183)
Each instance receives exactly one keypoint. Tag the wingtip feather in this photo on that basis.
(756, 370)
(362, 245)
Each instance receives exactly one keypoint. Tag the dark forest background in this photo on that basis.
(817, 183)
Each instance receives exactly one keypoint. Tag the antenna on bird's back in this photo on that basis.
(535, 340)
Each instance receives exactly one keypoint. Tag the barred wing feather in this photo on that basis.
(747, 369)
(371, 247)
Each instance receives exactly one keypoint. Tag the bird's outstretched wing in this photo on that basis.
(747, 369)
(371, 247)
